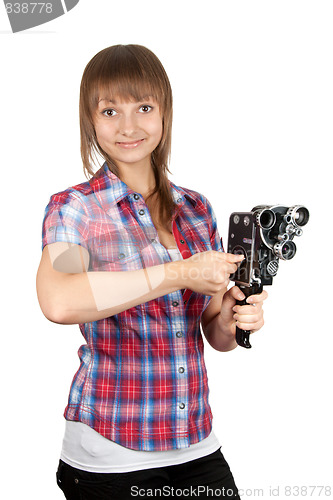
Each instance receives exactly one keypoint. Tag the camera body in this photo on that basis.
(264, 236)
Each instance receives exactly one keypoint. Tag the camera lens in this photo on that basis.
(285, 250)
(266, 219)
(299, 215)
(288, 250)
(302, 216)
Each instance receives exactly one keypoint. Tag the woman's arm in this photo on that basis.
(218, 334)
(69, 294)
(221, 316)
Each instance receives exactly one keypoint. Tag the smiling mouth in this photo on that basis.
(130, 144)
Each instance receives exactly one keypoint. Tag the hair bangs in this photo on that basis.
(126, 77)
(125, 89)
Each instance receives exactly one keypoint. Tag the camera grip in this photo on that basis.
(243, 336)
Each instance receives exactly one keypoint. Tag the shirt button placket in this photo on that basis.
(144, 218)
(181, 382)
(141, 211)
(182, 412)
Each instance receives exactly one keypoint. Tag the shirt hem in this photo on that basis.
(130, 439)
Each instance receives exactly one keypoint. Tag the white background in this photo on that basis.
(253, 107)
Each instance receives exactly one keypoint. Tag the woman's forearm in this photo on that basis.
(90, 296)
(219, 335)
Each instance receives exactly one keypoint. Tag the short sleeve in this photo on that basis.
(65, 220)
(215, 239)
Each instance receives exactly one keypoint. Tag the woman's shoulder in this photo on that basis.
(72, 192)
(86, 192)
(81, 192)
(74, 199)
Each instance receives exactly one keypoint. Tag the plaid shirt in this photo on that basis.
(142, 380)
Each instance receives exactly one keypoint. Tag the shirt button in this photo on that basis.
(52, 228)
(182, 242)
(181, 369)
(141, 212)
(179, 200)
(179, 334)
(175, 303)
(136, 196)
(121, 256)
(76, 481)
(182, 406)
(153, 240)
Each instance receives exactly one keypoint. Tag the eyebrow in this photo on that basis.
(106, 100)
(144, 98)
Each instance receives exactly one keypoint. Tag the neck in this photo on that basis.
(139, 177)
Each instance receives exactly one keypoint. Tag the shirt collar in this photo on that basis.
(109, 189)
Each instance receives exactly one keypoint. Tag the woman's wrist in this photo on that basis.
(177, 273)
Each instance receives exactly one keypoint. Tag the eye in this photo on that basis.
(109, 112)
(145, 108)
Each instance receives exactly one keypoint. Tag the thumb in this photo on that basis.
(234, 294)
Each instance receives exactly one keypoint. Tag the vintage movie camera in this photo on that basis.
(264, 236)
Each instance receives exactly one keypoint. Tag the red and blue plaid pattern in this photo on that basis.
(142, 380)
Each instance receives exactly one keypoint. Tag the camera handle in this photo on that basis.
(243, 336)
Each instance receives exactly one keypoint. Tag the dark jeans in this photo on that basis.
(206, 477)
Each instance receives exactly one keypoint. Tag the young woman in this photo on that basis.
(138, 263)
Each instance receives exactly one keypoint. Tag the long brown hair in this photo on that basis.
(128, 72)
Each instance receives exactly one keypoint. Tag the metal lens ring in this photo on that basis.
(265, 218)
(298, 215)
(285, 250)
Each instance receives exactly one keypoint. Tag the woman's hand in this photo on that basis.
(247, 317)
(208, 272)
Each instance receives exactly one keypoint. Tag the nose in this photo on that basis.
(127, 124)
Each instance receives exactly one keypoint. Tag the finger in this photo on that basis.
(260, 297)
(237, 293)
(222, 271)
(231, 257)
(248, 318)
(251, 309)
(252, 327)
(230, 268)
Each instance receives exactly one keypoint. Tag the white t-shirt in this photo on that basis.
(86, 449)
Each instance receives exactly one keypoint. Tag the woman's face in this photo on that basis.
(128, 131)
